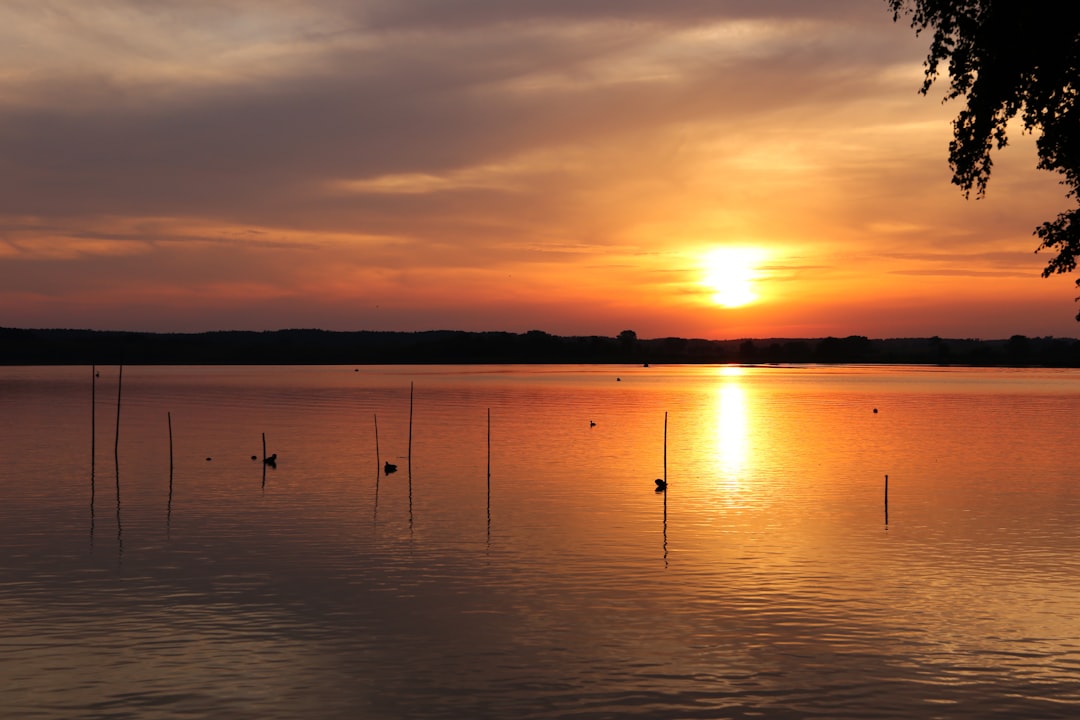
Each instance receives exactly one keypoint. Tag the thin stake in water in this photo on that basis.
(665, 449)
(93, 421)
(169, 416)
(489, 475)
(661, 483)
(410, 461)
(93, 445)
(119, 388)
(410, 428)
(665, 491)
(116, 457)
(168, 509)
(886, 499)
(378, 469)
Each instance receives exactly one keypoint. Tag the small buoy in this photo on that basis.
(389, 467)
(208, 459)
(618, 379)
(875, 411)
(254, 457)
(356, 369)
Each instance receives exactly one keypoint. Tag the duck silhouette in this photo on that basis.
(389, 467)
(661, 485)
(271, 460)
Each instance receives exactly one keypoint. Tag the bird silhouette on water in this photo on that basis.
(661, 485)
(389, 467)
(271, 460)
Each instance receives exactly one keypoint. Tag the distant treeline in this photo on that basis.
(319, 347)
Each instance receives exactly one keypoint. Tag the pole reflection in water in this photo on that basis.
(375, 516)
(119, 525)
(92, 492)
(665, 528)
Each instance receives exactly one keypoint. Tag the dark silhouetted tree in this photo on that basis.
(1007, 59)
(939, 349)
(628, 341)
(853, 348)
(1018, 350)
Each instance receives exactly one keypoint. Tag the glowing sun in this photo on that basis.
(730, 272)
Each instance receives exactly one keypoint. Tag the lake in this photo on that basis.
(527, 568)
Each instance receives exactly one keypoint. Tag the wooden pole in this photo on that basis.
(886, 499)
(116, 456)
(169, 415)
(665, 451)
(119, 389)
(410, 460)
(93, 419)
(168, 508)
(264, 448)
(489, 475)
(410, 426)
(378, 470)
(93, 445)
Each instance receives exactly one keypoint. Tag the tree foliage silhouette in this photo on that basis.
(1009, 59)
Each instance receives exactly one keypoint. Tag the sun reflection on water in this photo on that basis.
(730, 424)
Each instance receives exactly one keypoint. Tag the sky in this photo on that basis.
(699, 168)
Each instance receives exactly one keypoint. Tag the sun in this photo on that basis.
(730, 272)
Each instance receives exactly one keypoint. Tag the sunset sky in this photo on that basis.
(578, 167)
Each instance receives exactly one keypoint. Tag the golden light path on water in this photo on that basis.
(731, 429)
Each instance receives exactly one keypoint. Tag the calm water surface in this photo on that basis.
(769, 581)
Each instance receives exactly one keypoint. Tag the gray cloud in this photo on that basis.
(189, 144)
(255, 147)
